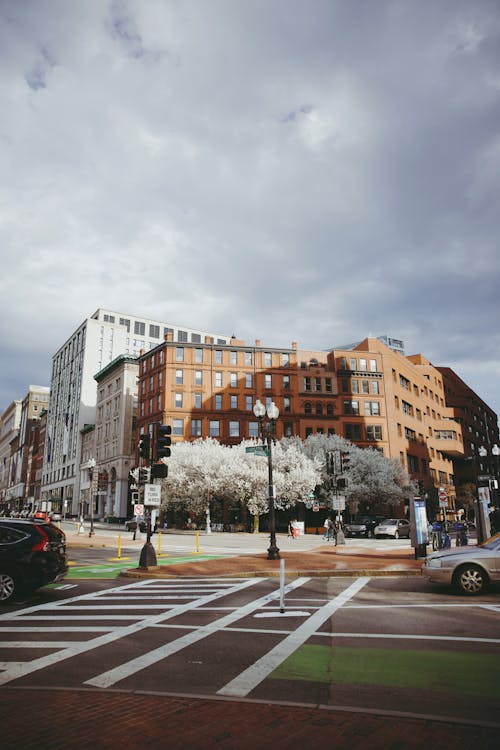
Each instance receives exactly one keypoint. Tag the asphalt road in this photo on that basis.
(384, 644)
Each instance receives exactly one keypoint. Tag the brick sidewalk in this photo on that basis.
(49, 719)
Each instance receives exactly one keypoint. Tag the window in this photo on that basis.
(372, 408)
(307, 408)
(218, 356)
(317, 384)
(353, 364)
(139, 328)
(345, 386)
(362, 365)
(319, 409)
(309, 431)
(412, 463)
(375, 386)
(248, 380)
(365, 386)
(198, 400)
(233, 379)
(307, 384)
(198, 377)
(253, 429)
(125, 322)
(286, 382)
(352, 431)
(109, 318)
(178, 400)
(351, 407)
(286, 404)
(373, 365)
(218, 401)
(182, 335)
(285, 360)
(218, 380)
(410, 434)
(287, 429)
(248, 403)
(234, 429)
(329, 410)
(268, 360)
(233, 358)
(234, 402)
(407, 408)
(179, 377)
(248, 358)
(373, 432)
(179, 354)
(154, 332)
(268, 381)
(328, 385)
(404, 382)
(196, 428)
(198, 355)
(214, 429)
(178, 427)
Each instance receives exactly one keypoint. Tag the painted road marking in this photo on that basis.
(245, 682)
(16, 670)
(106, 679)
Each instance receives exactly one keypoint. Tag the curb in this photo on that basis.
(154, 572)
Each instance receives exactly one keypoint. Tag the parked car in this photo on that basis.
(32, 554)
(131, 524)
(395, 527)
(469, 570)
(362, 526)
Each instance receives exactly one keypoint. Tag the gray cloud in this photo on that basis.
(284, 170)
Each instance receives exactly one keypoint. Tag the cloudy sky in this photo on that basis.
(309, 170)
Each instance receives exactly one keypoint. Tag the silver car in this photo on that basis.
(467, 569)
(395, 527)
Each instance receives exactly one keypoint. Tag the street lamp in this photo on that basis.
(91, 465)
(268, 435)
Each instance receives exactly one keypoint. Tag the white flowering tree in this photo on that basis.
(205, 469)
(371, 476)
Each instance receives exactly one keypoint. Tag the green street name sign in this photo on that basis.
(259, 450)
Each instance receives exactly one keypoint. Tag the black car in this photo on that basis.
(32, 554)
(362, 526)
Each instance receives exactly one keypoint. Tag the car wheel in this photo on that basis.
(470, 580)
(8, 587)
(396, 535)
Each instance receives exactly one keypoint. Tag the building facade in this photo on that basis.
(92, 346)
(10, 421)
(369, 393)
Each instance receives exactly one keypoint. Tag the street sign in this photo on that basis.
(152, 494)
(338, 502)
(259, 450)
(138, 510)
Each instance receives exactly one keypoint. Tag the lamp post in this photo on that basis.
(268, 435)
(91, 465)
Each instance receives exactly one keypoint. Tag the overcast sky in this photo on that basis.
(309, 170)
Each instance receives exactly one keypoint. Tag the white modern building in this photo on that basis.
(73, 390)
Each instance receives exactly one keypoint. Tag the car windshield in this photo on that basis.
(390, 522)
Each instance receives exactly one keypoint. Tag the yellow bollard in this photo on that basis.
(160, 553)
(197, 537)
(119, 554)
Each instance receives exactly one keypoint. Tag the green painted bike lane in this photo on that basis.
(113, 568)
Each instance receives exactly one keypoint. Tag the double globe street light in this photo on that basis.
(268, 436)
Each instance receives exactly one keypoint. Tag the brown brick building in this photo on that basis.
(370, 394)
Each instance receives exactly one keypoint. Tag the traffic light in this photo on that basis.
(159, 471)
(345, 460)
(144, 446)
(163, 441)
(144, 475)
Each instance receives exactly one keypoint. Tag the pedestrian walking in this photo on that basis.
(327, 525)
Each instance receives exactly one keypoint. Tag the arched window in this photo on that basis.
(329, 410)
(319, 409)
(307, 408)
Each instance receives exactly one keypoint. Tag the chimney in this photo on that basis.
(257, 342)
